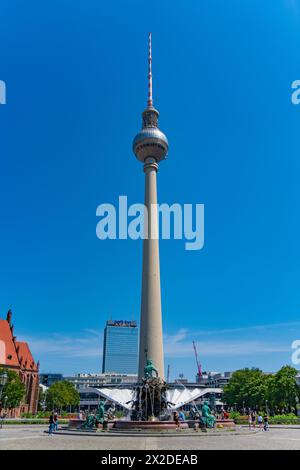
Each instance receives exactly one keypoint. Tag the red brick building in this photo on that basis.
(16, 355)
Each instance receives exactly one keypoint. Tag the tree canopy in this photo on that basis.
(283, 390)
(13, 391)
(254, 389)
(61, 395)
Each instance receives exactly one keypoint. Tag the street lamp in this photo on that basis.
(267, 410)
(297, 406)
(212, 400)
(3, 380)
(243, 407)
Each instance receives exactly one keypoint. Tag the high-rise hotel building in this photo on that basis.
(120, 347)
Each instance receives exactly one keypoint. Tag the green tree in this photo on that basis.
(14, 390)
(61, 395)
(246, 387)
(283, 390)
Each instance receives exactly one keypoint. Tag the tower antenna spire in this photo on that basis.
(150, 99)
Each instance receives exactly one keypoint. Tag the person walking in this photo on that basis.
(266, 422)
(253, 418)
(55, 419)
(51, 424)
(250, 420)
(260, 422)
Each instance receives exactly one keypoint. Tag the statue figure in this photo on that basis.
(111, 412)
(100, 416)
(149, 369)
(92, 421)
(89, 422)
(194, 413)
(207, 418)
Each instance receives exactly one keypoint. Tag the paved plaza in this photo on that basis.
(34, 438)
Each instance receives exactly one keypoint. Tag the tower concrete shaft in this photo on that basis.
(151, 336)
(150, 147)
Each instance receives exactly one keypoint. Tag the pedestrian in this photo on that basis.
(181, 415)
(55, 419)
(253, 418)
(266, 422)
(260, 421)
(249, 420)
(51, 424)
(176, 419)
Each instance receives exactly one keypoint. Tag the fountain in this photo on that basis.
(150, 408)
(150, 404)
(150, 397)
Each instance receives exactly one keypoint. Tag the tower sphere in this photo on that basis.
(150, 142)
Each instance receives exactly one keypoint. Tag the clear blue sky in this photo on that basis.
(76, 86)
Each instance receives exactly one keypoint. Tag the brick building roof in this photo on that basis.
(14, 353)
(24, 353)
(9, 356)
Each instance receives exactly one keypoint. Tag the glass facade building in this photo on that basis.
(50, 379)
(120, 347)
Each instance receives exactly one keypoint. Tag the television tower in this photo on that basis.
(150, 146)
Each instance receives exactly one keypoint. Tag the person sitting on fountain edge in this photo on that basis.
(181, 415)
(176, 419)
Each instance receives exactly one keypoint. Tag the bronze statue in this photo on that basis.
(150, 396)
(89, 422)
(100, 416)
(149, 369)
(207, 418)
(93, 420)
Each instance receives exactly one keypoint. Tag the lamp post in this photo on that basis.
(3, 416)
(212, 400)
(297, 406)
(3, 380)
(267, 410)
(243, 407)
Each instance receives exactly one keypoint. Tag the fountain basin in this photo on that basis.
(77, 423)
(149, 425)
(225, 423)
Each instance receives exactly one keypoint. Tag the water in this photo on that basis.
(192, 400)
(150, 400)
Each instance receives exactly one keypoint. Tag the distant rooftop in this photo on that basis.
(106, 374)
(127, 323)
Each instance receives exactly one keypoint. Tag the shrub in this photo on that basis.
(284, 419)
(277, 419)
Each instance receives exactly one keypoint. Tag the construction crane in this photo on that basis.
(199, 373)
